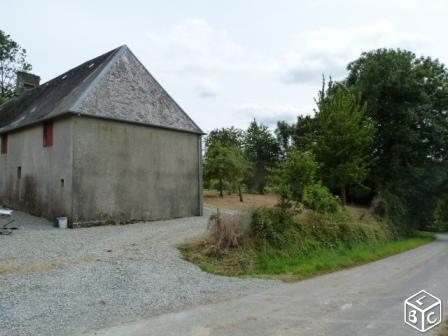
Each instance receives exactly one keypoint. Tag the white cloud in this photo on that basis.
(211, 69)
(207, 88)
(195, 50)
(195, 47)
(328, 50)
(268, 114)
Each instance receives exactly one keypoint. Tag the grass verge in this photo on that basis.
(272, 264)
(268, 263)
(310, 246)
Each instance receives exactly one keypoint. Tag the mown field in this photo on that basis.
(212, 200)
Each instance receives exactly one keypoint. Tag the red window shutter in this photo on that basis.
(48, 134)
(4, 143)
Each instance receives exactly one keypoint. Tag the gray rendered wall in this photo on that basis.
(38, 190)
(126, 172)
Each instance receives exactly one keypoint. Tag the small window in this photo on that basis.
(4, 144)
(19, 172)
(62, 183)
(48, 134)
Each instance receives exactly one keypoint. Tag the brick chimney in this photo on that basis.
(26, 81)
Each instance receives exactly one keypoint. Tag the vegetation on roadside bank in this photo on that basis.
(376, 138)
(444, 329)
(283, 244)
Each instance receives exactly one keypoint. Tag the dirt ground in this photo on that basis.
(212, 200)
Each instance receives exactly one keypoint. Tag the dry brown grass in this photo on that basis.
(227, 249)
(223, 230)
(40, 266)
(36, 267)
(359, 212)
(212, 200)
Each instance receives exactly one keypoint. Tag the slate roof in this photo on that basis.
(114, 86)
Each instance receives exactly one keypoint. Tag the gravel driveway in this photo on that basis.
(62, 282)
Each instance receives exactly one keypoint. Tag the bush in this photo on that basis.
(291, 176)
(388, 205)
(270, 224)
(295, 245)
(341, 229)
(225, 229)
(312, 231)
(440, 221)
(318, 198)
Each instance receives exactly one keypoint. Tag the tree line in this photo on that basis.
(12, 59)
(378, 137)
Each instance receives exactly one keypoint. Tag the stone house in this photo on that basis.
(101, 142)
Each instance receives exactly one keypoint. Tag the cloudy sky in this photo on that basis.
(227, 62)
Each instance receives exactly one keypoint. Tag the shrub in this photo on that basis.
(312, 231)
(318, 198)
(291, 176)
(270, 224)
(440, 220)
(388, 205)
(225, 229)
(341, 229)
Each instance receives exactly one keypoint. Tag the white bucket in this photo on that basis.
(62, 222)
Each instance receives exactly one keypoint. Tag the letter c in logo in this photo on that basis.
(428, 318)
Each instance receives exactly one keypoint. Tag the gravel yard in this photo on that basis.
(66, 282)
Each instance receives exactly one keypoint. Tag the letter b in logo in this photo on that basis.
(423, 311)
(412, 316)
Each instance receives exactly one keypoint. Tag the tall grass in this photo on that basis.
(279, 244)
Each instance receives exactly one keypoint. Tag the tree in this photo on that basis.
(290, 177)
(238, 170)
(225, 164)
(344, 137)
(12, 59)
(227, 137)
(221, 137)
(304, 133)
(223, 148)
(440, 218)
(300, 135)
(283, 133)
(407, 99)
(262, 151)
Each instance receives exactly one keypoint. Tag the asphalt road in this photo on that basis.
(366, 300)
